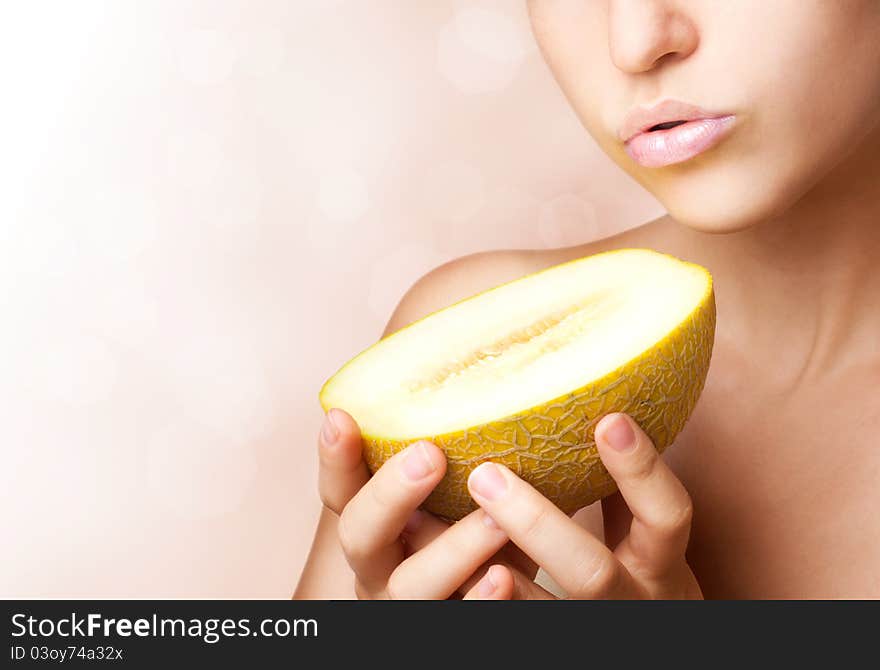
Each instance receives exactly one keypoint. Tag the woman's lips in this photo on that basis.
(675, 145)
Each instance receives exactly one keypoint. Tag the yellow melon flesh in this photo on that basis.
(521, 373)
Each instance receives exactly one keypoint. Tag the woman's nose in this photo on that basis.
(642, 32)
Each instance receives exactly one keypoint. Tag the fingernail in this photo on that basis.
(329, 431)
(417, 462)
(413, 523)
(487, 584)
(620, 435)
(487, 481)
(490, 522)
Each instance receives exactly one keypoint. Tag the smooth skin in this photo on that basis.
(780, 458)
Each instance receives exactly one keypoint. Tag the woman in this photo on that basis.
(772, 184)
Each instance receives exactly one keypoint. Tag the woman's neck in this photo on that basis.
(804, 287)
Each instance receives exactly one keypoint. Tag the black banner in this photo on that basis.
(148, 633)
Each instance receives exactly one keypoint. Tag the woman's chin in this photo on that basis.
(722, 222)
(721, 202)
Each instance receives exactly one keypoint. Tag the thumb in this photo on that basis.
(342, 470)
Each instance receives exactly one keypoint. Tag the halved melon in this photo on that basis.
(521, 373)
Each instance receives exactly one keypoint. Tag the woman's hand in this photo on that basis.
(649, 562)
(395, 550)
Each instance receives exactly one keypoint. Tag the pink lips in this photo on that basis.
(674, 145)
(698, 130)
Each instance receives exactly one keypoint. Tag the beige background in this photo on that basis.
(207, 208)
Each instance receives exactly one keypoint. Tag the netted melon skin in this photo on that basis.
(552, 446)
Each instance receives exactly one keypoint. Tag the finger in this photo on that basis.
(372, 521)
(660, 505)
(521, 587)
(437, 570)
(496, 584)
(341, 470)
(423, 528)
(578, 561)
